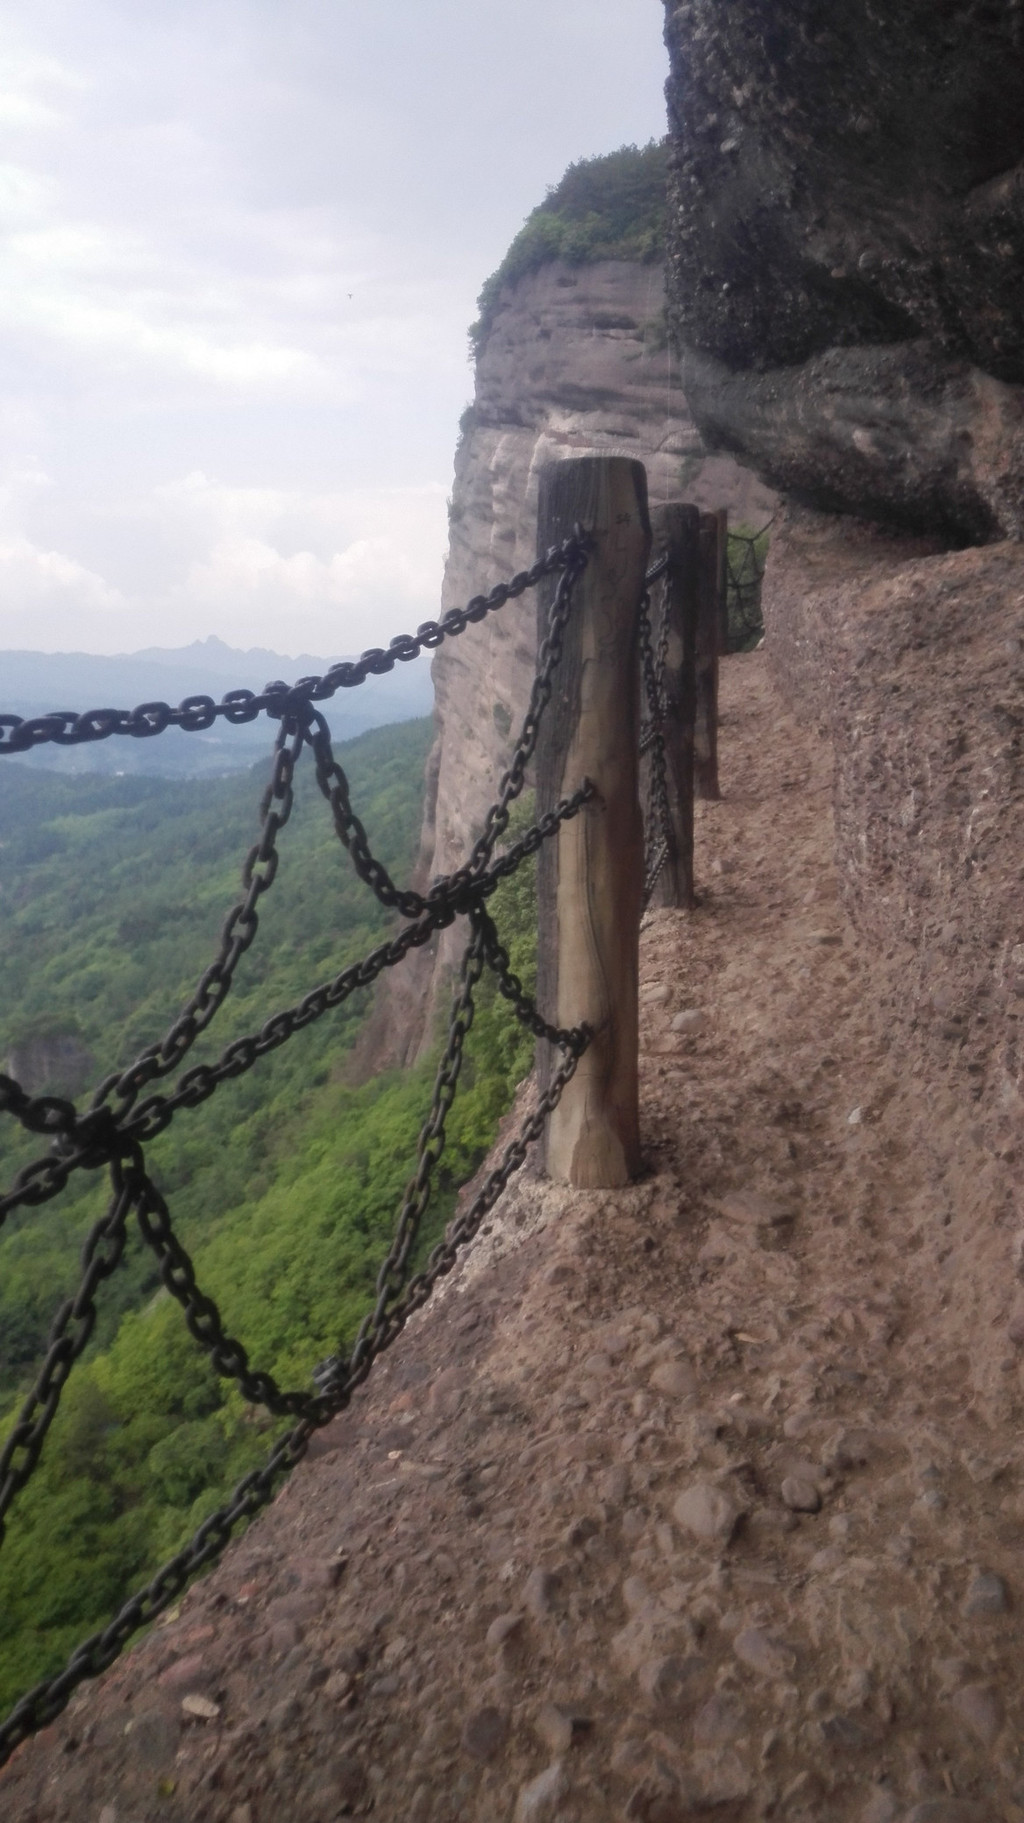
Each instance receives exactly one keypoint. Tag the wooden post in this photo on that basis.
(705, 747)
(590, 875)
(722, 518)
(677, 533)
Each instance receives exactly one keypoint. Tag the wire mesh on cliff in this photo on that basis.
(128, 1110)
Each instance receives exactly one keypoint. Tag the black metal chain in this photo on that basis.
(240, 926)
(114, 1128)
(70, 1331)
(45, 1702)
(196, 713)
(86, 1141)
(334, 785)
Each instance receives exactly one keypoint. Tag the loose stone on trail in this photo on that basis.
(980, 1708)
(707, 1512)
(676, 1379)
(987, 1594)
(800, 1495)
(199, 1708)
(484, 1733)
(750, 1208)
(539, 1800)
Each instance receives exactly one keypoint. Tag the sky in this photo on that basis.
(241, 243)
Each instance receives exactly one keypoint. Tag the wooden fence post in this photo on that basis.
(722, 518)
(705, 750)
(677, 534)
(590, 875)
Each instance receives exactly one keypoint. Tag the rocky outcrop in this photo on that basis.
(846, 285)
(846, 250)
(913, 663)
(888, 432)
(575, 363)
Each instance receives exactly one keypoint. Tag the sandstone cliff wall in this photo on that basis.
(912, 662)
(846, 251)
(575, 363)
(846, 255)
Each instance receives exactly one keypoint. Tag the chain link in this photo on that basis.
(45, 1702)
(70, 1331)
(196, 713)
(334, 785)
(113, 1130)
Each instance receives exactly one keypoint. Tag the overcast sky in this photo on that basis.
(242, 242)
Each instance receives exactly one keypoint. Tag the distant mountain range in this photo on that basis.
(33, 683)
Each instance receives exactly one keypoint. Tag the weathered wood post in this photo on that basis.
(722, 517)
(705, 750)
(590, 875)
(677, 534)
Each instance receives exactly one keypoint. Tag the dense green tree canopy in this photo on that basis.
(284, 1186)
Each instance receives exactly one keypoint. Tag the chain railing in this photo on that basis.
(597, 1139)
(128, 1110)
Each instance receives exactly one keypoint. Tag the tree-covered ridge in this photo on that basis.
(284, 1186)
(612, 207)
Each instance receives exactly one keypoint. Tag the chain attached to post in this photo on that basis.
(121, 1120)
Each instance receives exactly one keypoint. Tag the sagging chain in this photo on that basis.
(334, 786)
(658, 816)
(45, 1702)
(196, 713)
(114, 1128)
(85, 1141)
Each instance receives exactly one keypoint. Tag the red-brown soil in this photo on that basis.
(706, 1497)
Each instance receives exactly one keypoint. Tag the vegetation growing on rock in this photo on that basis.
(612, 207)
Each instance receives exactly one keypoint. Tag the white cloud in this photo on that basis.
(47, 599)
(327, 573)
(239, 249)
(32, 89)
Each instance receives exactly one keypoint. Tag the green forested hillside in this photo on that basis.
(284, 1185)
(608, 208)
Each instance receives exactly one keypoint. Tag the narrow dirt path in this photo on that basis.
(688, 1500)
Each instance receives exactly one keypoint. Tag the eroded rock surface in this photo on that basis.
(846, 256)
(914, 664)
(574, 364)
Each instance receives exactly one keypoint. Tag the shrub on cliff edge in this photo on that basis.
(612, 207)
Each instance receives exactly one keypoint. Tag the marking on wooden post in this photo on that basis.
(677, 534)
(705, 746)
(590, 878)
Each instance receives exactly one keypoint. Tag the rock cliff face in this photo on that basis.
(912, 661)
(846, 256)
(847, 250)
(575, 363)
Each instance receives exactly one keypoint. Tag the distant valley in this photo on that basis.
(34, 683)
